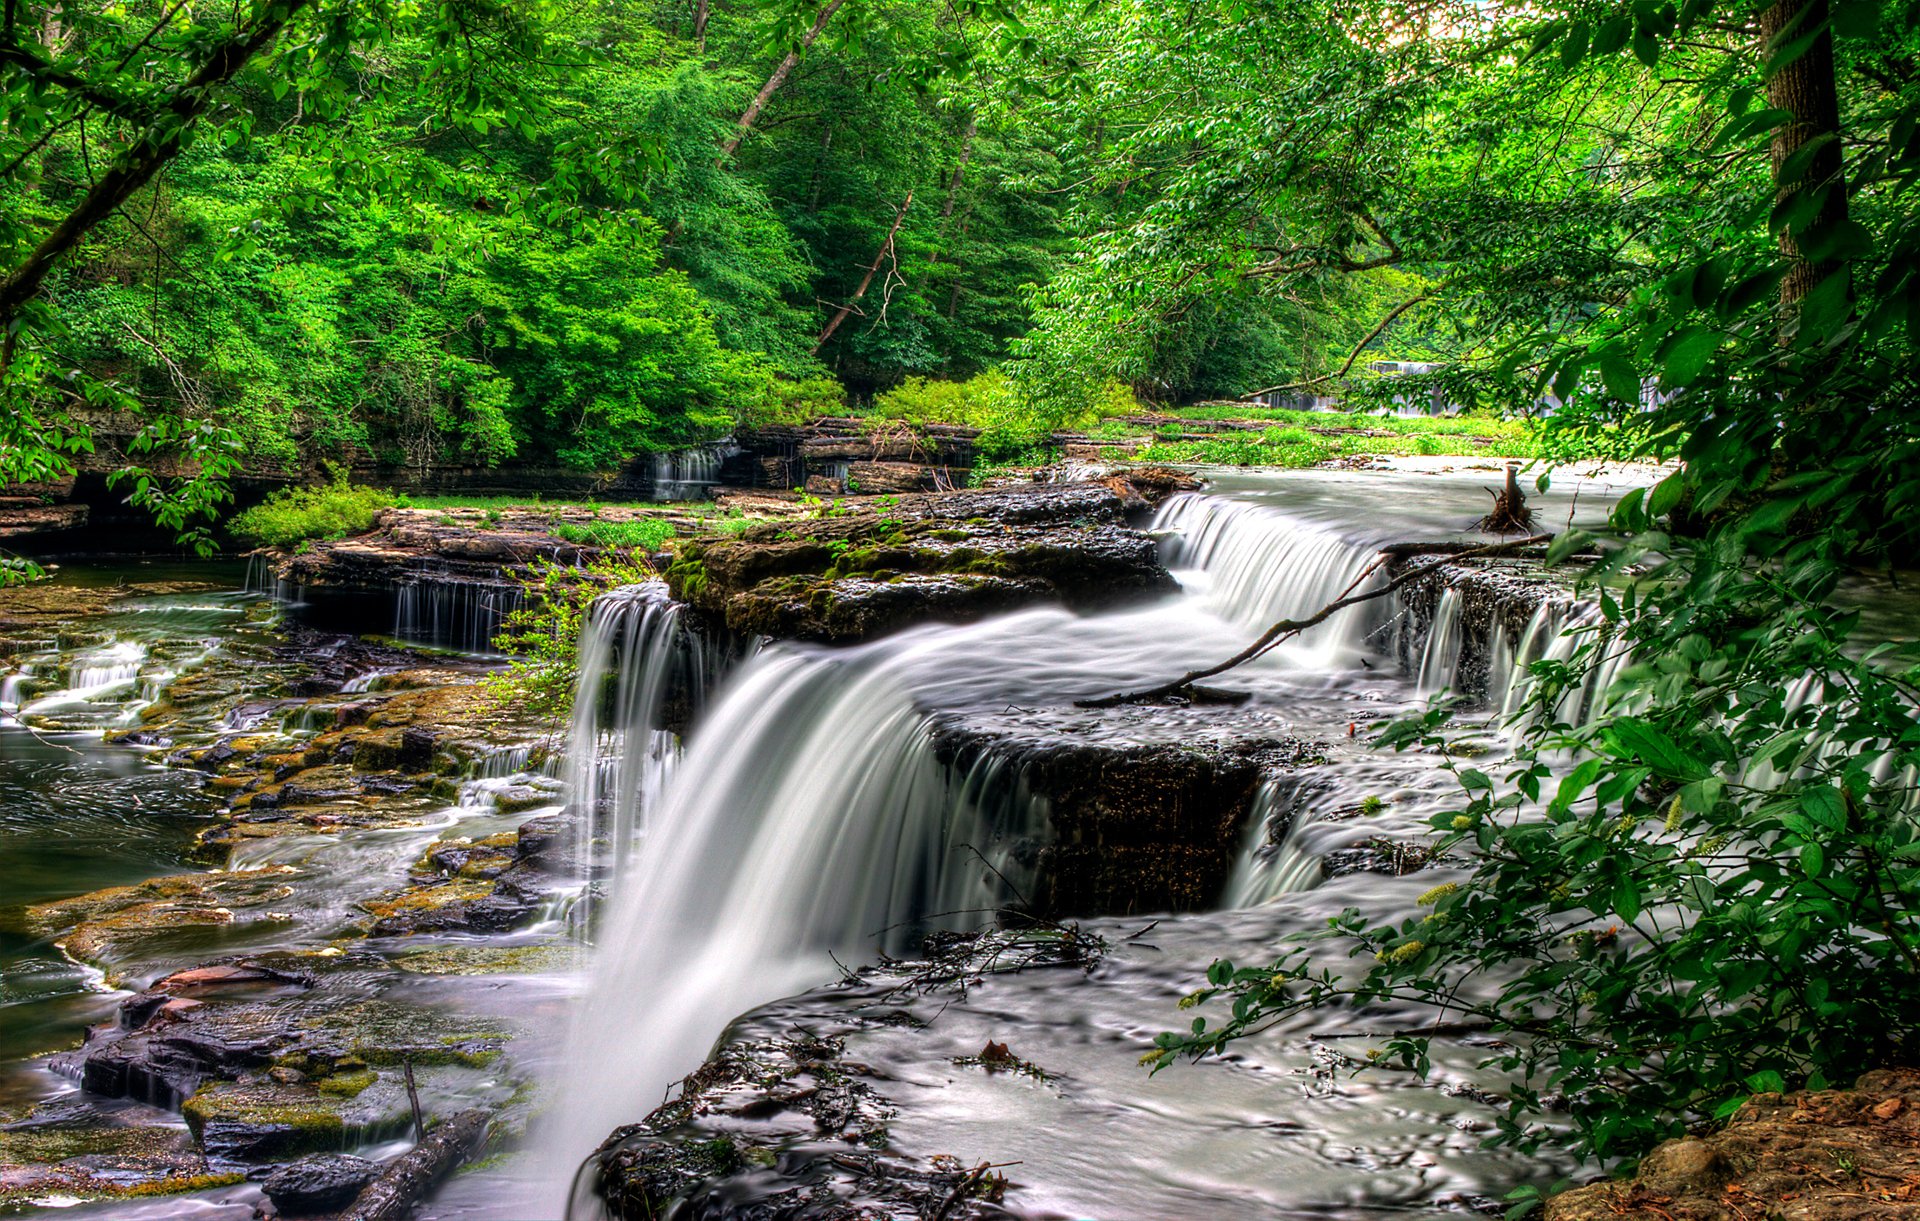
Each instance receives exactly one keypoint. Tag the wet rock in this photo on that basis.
(873, 567)
(1396, 858)
(108, 927)
(780, 1127)
(1130, 825)
(75, 1147)
(1497, 597)
(235, 1121)
(1825, 1155)
(323, 1183)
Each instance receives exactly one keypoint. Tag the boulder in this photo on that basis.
(322, 1183)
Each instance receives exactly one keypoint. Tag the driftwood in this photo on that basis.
(1510, 513)
(407, 1179)
(1288, 628)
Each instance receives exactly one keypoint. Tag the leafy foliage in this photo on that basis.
(542, 634)
(292, 516)
(646, 533)
(1707, 887)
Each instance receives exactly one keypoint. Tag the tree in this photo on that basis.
(1706, 888)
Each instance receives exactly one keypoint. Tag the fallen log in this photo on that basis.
(405, 1181)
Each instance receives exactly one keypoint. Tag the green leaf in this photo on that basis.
(1688, 353)
(1618, 374)
(1654, 748)
(1666, 494)
(1824, 804)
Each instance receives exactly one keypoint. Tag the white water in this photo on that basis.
(810, 814)
(458, 614)
(619, 757)
(687, 474)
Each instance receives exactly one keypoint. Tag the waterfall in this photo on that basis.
(810, 816)
(687, 474)
(1266, 869)
(1446, 640)
(809, 819)
(635, 653)
(1259, 566)
(459, 614)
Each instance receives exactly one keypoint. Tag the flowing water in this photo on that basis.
(812, 821)
(812, 815)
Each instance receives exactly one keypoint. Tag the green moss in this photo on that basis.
(182, 1183)
(347, 1085)
(305, 1120)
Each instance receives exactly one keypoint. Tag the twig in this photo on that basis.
(1288, 628)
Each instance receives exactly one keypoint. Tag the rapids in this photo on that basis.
(750, 816)
(810, 823)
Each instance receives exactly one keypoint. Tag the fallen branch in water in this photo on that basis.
(1288, 628)
(403, 1182)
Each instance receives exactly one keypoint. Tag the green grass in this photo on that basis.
(293, 516)
(647, 533)
(1461, 425)
(1297, 447)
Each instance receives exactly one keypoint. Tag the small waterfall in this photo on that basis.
(1446, 640)
(464, 615)
(1266, 869)
(635, 654)
(13, 688)
(1261, 566)
(810, 819)
(687, 474)
(113, 666)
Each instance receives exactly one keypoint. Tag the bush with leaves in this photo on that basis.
(542, 634)
(1712, 886)
(292, 516)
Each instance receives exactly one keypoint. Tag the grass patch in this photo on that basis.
(1297, 446)
(296, 515)
(646, 532)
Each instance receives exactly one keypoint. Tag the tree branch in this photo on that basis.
(1352, 356)
(1287, 628)
(145, 157)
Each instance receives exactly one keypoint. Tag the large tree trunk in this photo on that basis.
(779, 78)
(1807, 90)
(700, 15)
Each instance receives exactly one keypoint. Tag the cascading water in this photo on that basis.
(811, 812)
(458, 614)
(636, 653)
(820, 819)
(687, 474)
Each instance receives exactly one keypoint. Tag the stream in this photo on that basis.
(813, 816)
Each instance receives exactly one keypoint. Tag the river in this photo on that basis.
(810, 810)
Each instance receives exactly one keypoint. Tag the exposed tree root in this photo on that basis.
(1510, 513)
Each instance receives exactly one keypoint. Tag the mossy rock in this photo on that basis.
(258, 1122)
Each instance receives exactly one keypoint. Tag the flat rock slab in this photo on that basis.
(865, 568)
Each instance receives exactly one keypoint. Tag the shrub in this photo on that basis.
(646, 533)
(292, 516)
(543, 633)
(18, 570)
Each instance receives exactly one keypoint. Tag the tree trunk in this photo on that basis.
(779, 78)
(866, 281)
(1807, 90)
(953, 192)
(403, 1182)
(700, 26)
(145, 158)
